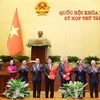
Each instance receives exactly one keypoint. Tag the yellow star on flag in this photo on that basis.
(13, 31)
(14, 43)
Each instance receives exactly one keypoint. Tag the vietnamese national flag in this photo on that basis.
(14, 42)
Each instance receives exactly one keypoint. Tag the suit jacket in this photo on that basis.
(62, 71)
(23, 73)
(37, 73)
(80, 75)
(47, 71)
(94, 78)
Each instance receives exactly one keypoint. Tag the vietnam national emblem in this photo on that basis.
(42, 8)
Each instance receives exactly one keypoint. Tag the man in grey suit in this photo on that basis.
(62, 72)
(93, 72)
(37, 69)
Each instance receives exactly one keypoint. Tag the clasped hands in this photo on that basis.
(35, 69)
(94, 70)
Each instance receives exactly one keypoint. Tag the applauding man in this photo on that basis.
(80, 71)
(93, 79)
(37, 69)
(23, 71)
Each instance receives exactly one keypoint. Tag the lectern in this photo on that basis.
(39, 52)
(13, 75)
(4, 77)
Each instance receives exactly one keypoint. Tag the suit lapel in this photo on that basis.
(35, 66)
(39, 66)
(47, 66)
(48, 69)
(63, 66)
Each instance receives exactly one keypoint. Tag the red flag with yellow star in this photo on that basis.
(14, 42)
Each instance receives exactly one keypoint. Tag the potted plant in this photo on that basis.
(16, 89)
(21, 58)
(73, 58)
(6, 58)
(55, 58)
(72, 89)
(88, 59)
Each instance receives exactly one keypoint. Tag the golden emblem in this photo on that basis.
(42, 8)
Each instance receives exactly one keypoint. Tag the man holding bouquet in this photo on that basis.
(65, 72)
(50, 73)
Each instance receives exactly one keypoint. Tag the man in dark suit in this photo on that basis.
(80, 71)
(23, 71)
(37, 69)
(93, 72)
(63, 73)
(49, 83)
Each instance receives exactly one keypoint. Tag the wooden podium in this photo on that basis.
(4, 77)
(13, 75)
(39, 52)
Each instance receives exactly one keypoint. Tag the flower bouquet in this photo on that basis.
(69, 68)
(53, 71)
(72, 65)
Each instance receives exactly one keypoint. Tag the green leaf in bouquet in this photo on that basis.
(72, 64)
(56, 63)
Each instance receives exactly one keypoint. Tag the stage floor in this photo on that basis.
(57, 96)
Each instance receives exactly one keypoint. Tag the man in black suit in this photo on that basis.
(23, 71)
(63, 73)
(49, 83)
(93, 72)
(37, 69)
(80, 71)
